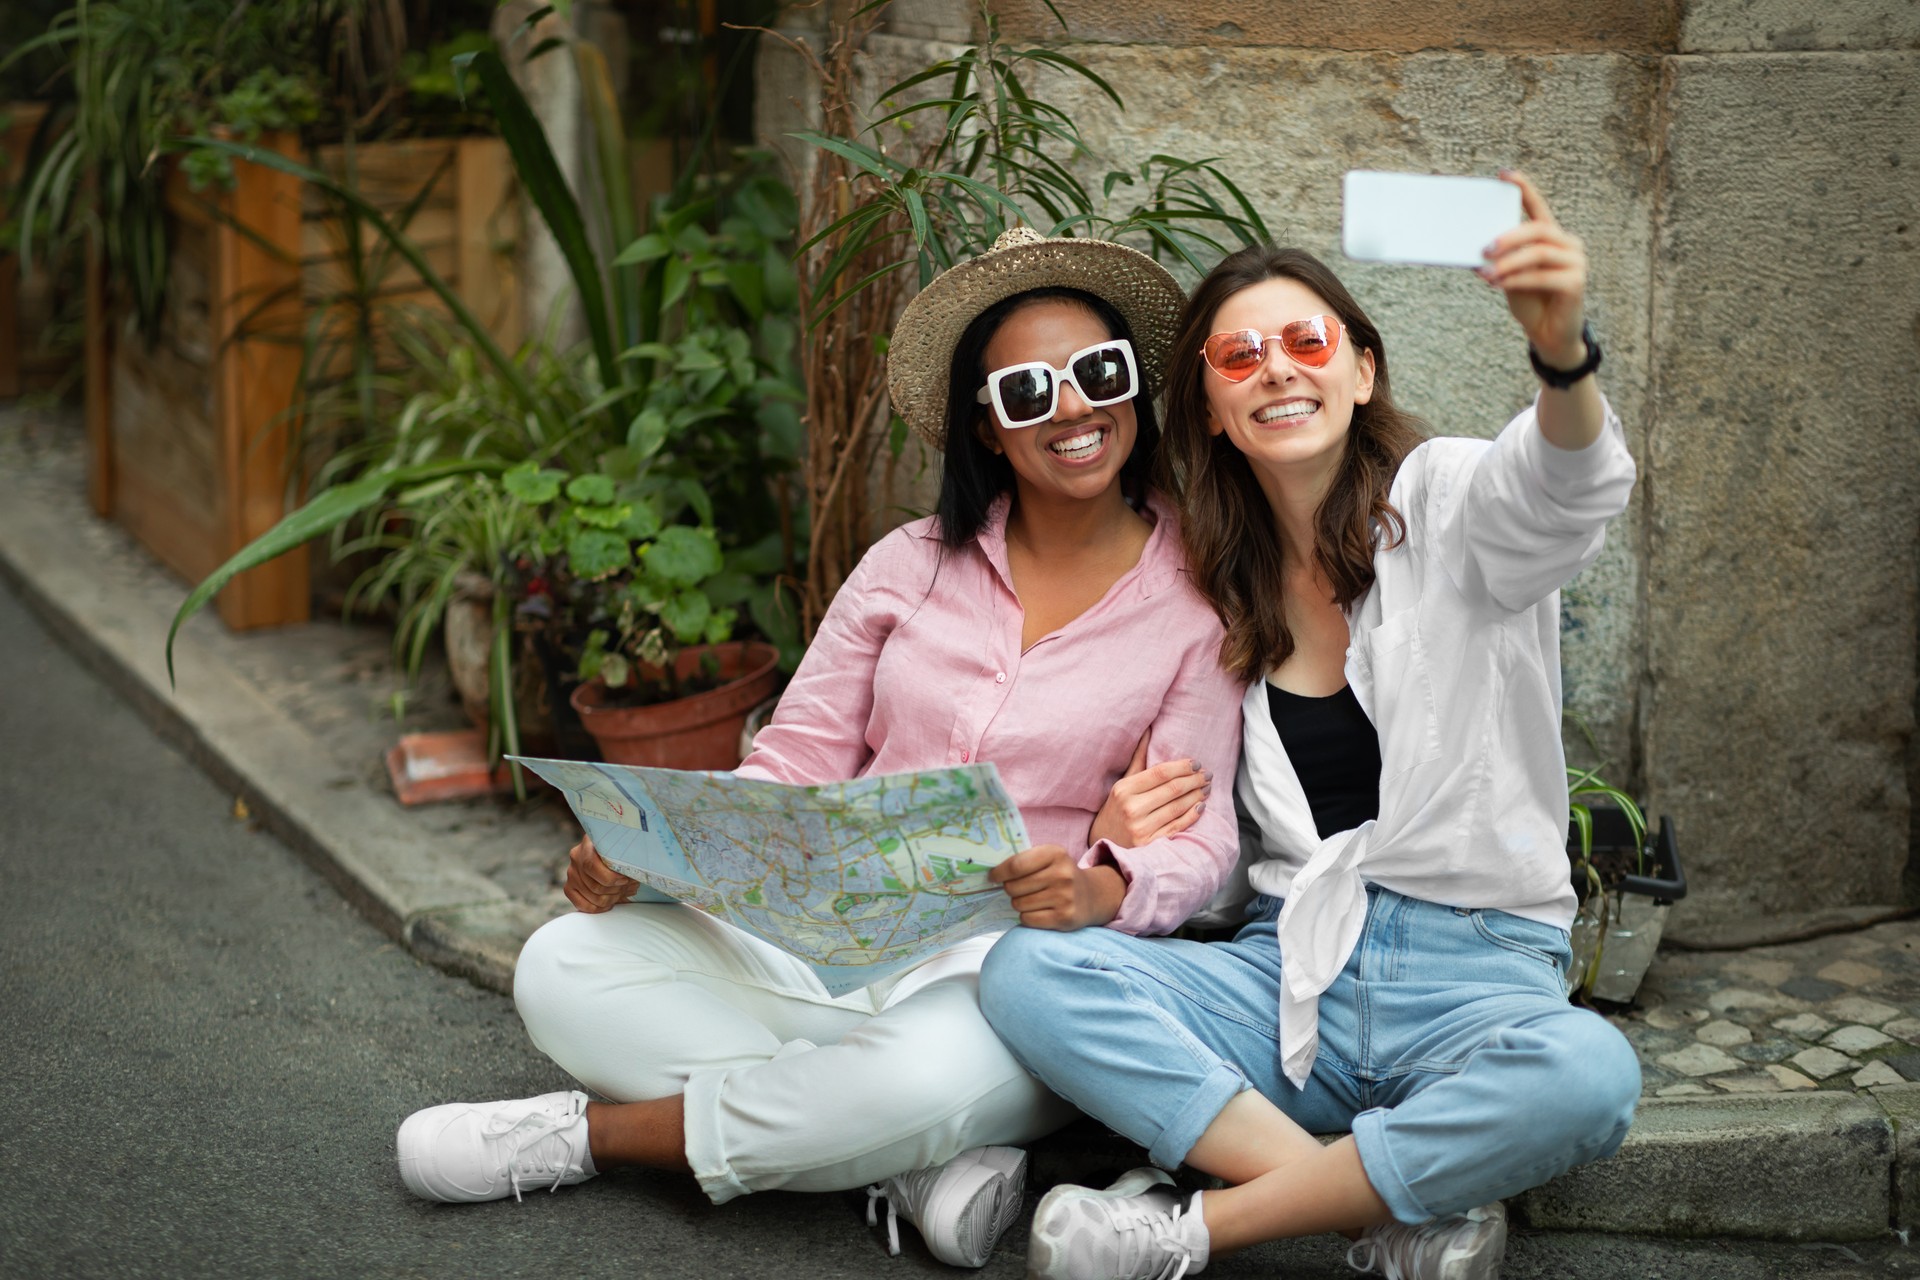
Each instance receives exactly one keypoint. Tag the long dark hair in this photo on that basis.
(1231, 537)
(975, 475)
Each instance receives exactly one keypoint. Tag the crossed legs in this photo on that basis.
(1455, 1060)
(725, 1059)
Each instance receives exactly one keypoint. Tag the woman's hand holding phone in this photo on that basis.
(1542, 268)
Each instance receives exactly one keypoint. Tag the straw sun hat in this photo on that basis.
(921, 354)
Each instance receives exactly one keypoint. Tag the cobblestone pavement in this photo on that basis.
(1839, 1012)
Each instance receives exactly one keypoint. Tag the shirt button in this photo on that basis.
(1000, 678)
(964, 757)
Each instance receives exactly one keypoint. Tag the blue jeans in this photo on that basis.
(1446, 1045)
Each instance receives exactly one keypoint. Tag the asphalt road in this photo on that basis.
(204, 1054)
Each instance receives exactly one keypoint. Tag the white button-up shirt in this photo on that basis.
(1455, 655)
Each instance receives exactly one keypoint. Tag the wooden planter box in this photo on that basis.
(28, 303)
(189, 442)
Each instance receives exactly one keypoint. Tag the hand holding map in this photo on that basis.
(859, 879)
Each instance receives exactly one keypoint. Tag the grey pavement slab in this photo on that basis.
(1737, 1047)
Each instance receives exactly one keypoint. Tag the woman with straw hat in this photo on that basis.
(1042, 620)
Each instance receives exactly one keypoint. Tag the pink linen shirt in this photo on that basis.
(918, 664)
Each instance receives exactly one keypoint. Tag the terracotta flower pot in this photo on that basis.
(697, 732)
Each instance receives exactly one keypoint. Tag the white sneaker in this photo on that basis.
(466, 1151)
(1466, 1246)
(1136, 1229)
(961, 1207)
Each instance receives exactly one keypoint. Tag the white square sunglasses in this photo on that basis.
(1027, 394)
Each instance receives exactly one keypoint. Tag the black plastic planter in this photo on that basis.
(1617, 932)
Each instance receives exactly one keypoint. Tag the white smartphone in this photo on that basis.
(1425, 218)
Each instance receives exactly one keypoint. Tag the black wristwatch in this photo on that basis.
(1561, 379)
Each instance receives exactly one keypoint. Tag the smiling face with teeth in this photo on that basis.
(1079, 452)
(1288, 419)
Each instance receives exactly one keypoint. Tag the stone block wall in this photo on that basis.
(1747, 179)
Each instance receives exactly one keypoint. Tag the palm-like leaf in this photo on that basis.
(325, 513)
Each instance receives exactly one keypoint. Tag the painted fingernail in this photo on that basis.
(1200, 808)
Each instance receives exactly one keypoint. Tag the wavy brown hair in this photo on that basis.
(1232, 540)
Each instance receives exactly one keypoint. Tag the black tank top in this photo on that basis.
(1335, 752)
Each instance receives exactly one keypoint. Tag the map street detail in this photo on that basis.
(859, 879)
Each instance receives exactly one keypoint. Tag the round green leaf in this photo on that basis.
(686, 616)
(642, 520)
(613, 517)
(595, 553)
(591, 490)
(719, 627)
(682, 556)
(532, 485)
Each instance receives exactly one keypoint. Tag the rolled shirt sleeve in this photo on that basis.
(1517, 519)
(1171, 878)
(818, 731)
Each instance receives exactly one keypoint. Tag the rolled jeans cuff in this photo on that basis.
(1382, 1170)
(1203, 1106)
(701, 1106)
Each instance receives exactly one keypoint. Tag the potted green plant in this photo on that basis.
(645, 611)
(1627, 884)
(682, 397)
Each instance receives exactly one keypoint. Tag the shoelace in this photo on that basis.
(900, 1192)
(1391, 1250)
(537, 1125)
(1164, 1230)
(876, 1193)
(1368, 1256)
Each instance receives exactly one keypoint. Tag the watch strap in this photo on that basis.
(1561, 379)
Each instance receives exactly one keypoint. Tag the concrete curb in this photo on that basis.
(1802, 1166)
(1791, 1166)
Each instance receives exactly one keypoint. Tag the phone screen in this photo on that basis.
(1425, 218)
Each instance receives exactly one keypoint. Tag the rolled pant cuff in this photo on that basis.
(701, 1109)
(1377, 1162)
(1221, 1085)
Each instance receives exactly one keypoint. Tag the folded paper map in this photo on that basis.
(859, 879)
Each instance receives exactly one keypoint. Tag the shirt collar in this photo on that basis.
(1159, 561)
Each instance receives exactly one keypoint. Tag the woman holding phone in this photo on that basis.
(1394, 604)
(1041, 621)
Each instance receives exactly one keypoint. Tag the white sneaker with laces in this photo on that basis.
(1136, 1229)
(468, 1151)
(1466, 1246)
(961, 1207)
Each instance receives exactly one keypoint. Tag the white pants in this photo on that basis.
(785, 1086)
